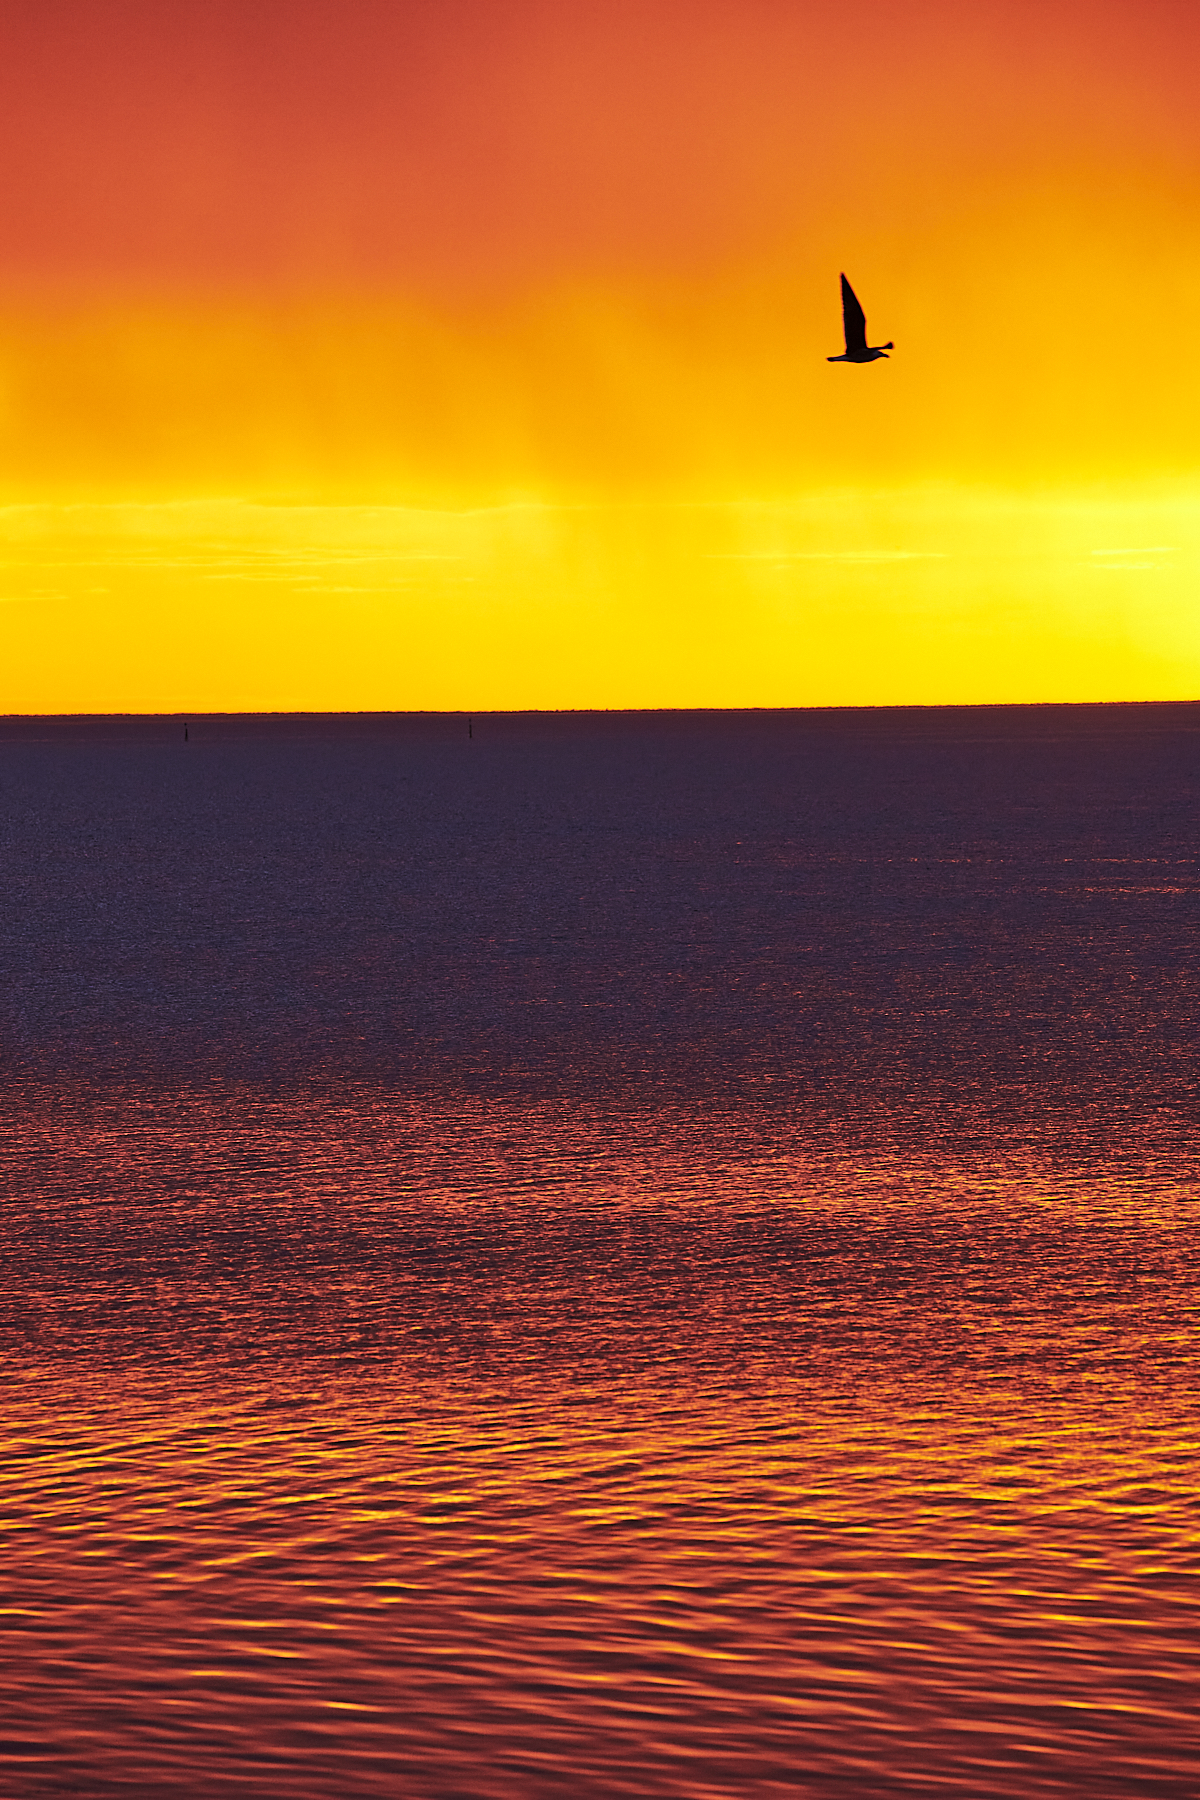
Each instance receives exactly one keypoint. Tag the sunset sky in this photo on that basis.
(473, 353)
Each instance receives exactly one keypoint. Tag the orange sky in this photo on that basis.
(314, 287)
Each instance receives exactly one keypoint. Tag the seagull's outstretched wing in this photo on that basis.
(854, 319)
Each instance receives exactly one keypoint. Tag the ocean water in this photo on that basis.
(626, 1255)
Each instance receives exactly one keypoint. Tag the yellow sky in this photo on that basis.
(617, 470)
(905, 595)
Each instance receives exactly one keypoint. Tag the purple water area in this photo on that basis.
(635, 1255)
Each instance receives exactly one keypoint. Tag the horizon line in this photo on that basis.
(499, 712)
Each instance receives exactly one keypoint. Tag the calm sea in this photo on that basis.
(625, 1255)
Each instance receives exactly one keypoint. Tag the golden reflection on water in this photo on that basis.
(499, 1448)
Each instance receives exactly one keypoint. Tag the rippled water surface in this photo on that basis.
(612, 1256)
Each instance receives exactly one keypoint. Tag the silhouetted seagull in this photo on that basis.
(854, 322)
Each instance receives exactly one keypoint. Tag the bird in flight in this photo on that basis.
(854, 320)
